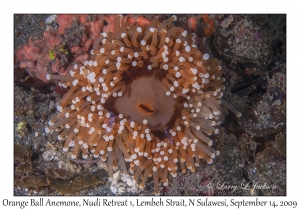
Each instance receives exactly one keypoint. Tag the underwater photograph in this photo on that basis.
(149, 104)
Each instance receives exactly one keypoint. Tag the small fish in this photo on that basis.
(171, 141)
(110, 122)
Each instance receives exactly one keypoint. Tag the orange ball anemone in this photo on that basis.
(147, 97)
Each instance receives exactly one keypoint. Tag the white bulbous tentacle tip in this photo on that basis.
(206, 56)
(174, 17)
(47, 130)
(48, 77)
(216, 131)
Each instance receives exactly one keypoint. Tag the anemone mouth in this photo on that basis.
(145, 108)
